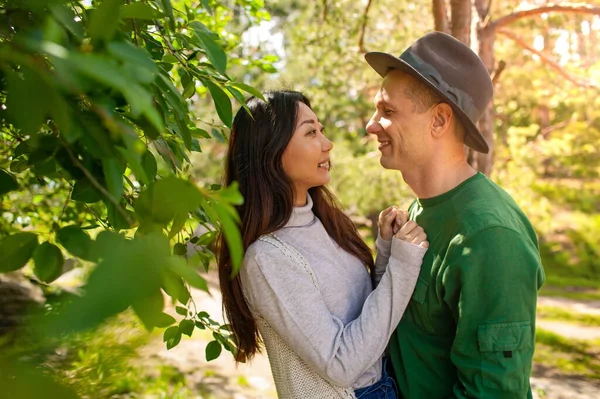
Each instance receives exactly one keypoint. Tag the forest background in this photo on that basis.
(113, 127)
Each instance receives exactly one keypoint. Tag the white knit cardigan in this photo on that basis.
(294, 379)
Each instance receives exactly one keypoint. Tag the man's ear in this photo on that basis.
(442, 116)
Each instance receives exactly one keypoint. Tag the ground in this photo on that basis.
(567, 358)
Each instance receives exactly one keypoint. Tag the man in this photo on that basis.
(469, 331)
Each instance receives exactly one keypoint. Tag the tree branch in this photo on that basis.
(95, 182)
(576, 8)
(324, 13)
(546, 60)
(440, 16)
(497, 72)
(363, 27)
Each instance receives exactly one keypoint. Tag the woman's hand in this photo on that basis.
(390, 221)
(412, 232)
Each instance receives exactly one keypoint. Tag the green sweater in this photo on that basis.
(469, 330)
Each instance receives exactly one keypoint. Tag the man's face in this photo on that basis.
(403, 133)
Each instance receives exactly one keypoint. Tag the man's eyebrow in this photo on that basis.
(382, 103)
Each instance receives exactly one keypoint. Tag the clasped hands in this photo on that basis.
(394, 222)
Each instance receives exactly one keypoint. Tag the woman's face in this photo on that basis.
(306, 157)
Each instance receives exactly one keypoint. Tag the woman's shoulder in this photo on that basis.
(263, 250)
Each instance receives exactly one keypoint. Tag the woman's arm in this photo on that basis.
(283, 294)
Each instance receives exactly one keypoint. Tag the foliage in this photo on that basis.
(571, 356)
(95, 135)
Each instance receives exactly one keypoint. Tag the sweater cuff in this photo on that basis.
(407, 253)
(384, 247)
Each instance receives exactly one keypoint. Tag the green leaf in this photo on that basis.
(186, 327)
(231, 194)
(163, 320)
(75, 240)
(168, 9)
(16, 250)
(222, 102)
(135, 164)
(48, 261)
(109, 74)
(166, 198)
(17, 165)
(139, 11)
(7, 182)
(154, 47)
(189, 88)
(66, 17)
(232, 236)
(136, 55)
(84, 191)
(149, 165)
(170, 333)
(178, 223)
(149, 307)
(171, 94)
(206, 5)
(26, 100)
(171, 59)
(214, 52)
(197, 132)
(181, 310)
(213, 350)
(249, 89)
(105, 20)
(115, 218)
(239, 96)
(180, 267)
(171, 343)
(174, 286)
(179, 249)
(113, 175)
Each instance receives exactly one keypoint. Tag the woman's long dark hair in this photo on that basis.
(256, 146)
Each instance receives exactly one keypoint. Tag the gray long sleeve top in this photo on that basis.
(341, 328)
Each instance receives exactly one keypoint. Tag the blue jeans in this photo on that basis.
(385, 388)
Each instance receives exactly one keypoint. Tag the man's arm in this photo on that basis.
(490, 285)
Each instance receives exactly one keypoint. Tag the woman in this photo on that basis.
(304, 286)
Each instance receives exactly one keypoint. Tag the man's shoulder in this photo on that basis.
(487, 205)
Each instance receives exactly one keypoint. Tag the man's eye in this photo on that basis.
(387, 111)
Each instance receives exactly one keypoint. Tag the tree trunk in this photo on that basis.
(440, 16)
(461, 20)
(486, 123)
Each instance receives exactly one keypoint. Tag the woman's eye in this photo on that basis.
(312, 132)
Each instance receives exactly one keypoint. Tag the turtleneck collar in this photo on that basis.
(302, 215)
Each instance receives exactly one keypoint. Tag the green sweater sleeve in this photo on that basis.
(490, 282)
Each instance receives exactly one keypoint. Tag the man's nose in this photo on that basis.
(373, 127)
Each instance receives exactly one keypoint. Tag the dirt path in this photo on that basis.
(587, 307)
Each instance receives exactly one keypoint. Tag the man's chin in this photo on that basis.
(387, 163)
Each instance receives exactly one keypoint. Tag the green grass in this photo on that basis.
(570, 356)
(554, 313)
(561, 292)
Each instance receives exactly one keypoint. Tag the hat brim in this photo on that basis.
(383, 62)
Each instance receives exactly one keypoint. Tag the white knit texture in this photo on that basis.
(293, 377)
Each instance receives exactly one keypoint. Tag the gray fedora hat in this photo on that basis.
(453, 71)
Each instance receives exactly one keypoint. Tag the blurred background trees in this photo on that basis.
(113, 128)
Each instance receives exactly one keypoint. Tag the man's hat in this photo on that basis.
(453, 71)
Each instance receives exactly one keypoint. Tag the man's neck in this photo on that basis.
(438, 178)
